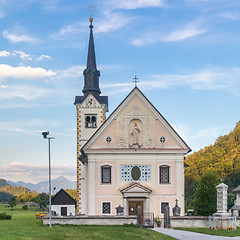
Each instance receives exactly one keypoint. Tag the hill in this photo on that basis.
(223, 157)
(58, 183)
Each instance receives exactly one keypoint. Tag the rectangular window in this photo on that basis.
(106, 174)
(163, 206)
(106, 207)
(164, 174)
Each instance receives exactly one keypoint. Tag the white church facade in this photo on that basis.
(133, 158)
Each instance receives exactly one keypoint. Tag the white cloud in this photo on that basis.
(134, 4)
(15, 38)
(190, 30)
(69, 29)
(226, 79)
(7, 71)
(231, 15)
(206, 79)
(34, 173)
(4, 54)
(71, 72)
(42, 57)
(24, 91)
(111, 22)
(26, 127)
(22, 55)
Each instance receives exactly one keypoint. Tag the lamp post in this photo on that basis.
(45, 136)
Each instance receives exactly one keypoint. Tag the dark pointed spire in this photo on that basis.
(91, 74)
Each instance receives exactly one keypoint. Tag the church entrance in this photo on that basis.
(132, 207)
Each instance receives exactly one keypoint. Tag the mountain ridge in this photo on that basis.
(57, 183)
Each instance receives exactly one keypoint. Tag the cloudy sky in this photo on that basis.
(186, 54)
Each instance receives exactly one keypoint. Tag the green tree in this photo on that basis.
(205, 195)
(42, 199)
(12, 202)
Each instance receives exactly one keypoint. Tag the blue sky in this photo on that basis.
(186, 54)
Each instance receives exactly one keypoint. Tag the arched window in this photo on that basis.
(87, 121)
(90, 121)
(164, 174)
(94, 123)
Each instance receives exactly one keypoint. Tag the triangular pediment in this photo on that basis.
(136, 124)
(136, 188)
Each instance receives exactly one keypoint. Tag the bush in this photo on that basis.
(4, 216)
(25, 207)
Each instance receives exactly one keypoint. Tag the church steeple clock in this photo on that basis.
(91, 109)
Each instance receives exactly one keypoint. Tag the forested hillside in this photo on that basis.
(223, 157)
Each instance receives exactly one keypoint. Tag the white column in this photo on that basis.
(180, 183)
(83, 181)
(147, 205)
(125, 205)
(91, 186)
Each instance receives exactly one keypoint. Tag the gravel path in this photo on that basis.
(186, 235)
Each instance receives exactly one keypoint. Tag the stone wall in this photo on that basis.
(193, 222)
(91, 220)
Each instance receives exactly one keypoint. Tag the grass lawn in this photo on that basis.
(25, 226)
(213, 232)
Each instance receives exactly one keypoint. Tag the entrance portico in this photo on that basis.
(135, 195)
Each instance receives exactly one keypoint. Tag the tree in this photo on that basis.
(12, 202)
(205, 195)
(42, 199)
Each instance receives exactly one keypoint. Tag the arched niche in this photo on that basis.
(135, 132)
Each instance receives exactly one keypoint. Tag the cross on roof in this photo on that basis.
(91, 9)
(135, 80)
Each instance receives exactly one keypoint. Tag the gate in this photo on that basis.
(148, 220)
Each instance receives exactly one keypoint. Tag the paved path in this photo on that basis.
(186, 235)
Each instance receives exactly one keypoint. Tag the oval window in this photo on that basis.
(136, 173)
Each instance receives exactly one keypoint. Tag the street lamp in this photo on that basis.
(45, 136)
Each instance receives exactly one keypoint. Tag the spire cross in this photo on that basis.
(91, 9)
(135, 80)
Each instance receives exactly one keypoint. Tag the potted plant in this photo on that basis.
(158, 221)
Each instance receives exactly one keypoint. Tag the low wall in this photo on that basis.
(193, 222)
(91, 220)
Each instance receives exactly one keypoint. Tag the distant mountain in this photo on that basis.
(58, 183)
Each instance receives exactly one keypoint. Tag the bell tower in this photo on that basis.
(91, 113)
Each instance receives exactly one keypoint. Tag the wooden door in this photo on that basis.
(132, 207)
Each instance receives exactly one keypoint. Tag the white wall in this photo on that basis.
(70, 209)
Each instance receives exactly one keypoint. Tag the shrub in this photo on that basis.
(4, 216)
(25, 207)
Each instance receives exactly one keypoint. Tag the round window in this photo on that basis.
(162, 139)
(136, 173)
(108, 139)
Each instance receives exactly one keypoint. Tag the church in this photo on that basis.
(132, 158)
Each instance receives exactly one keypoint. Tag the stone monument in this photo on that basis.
(176, 209)
(222, 191)
(222, 219)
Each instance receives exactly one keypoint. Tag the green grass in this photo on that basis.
(213, 232)
(25, 226)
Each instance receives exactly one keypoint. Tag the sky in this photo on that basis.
(185, 53)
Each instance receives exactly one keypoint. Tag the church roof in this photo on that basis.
(91, 75)
(237, 189)
(123, 104)
(62, 198)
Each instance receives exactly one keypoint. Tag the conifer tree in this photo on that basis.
(205, 195)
